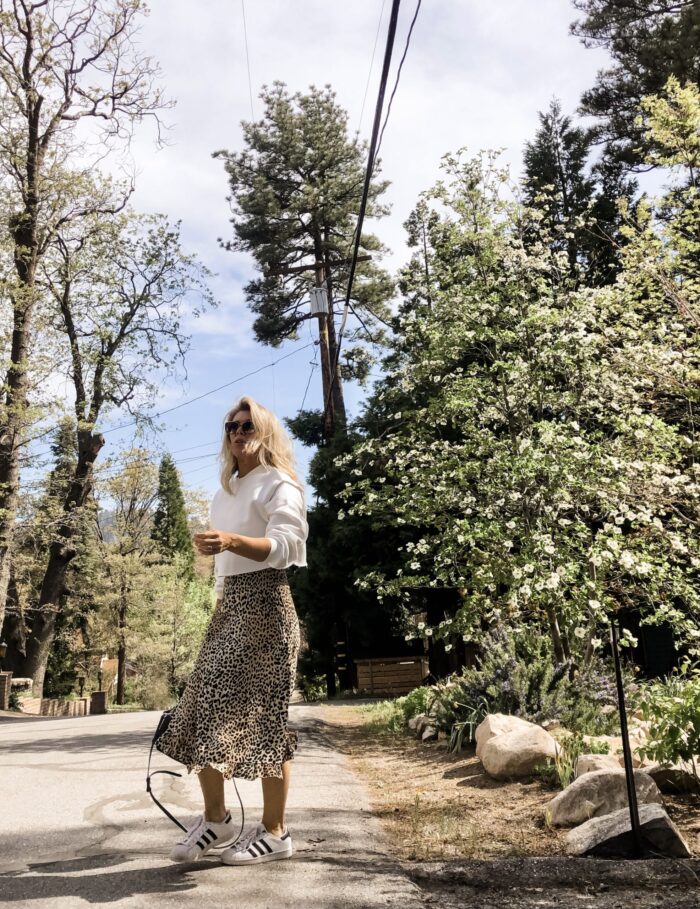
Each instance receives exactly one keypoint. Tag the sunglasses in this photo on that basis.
(232, 426)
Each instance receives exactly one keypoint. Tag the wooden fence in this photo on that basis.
(391, 675)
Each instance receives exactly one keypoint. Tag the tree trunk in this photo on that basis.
(337, 391)
(559, 649)
(10, 437)
(61, 553)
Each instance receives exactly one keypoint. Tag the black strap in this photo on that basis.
(163, 724)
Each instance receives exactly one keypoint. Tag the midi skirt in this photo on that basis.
(232, 715)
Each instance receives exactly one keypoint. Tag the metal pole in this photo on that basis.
(626, 750)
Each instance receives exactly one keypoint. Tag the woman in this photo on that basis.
(232, 717)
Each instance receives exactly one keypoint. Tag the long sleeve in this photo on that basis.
(287, 527)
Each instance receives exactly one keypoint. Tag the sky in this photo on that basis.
(475, 76)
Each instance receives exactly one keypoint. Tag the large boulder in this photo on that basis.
(515, 754)
(611, 835)
(588, 763)
(496, 724)
(598, 793)
(674, 777)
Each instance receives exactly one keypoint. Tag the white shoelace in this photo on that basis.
(193, 833)
(247, 838)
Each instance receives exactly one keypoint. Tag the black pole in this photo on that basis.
(626, 750)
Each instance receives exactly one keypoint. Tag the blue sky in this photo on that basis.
(476, 75)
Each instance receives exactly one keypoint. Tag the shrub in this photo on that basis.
(313, 687)
(672, 705)
(560, 772)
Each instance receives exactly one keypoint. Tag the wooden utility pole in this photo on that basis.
(323, 334)
(323, 317)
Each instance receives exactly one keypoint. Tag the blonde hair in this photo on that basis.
(271, 443)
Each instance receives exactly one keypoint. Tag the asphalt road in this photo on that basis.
(80, 829)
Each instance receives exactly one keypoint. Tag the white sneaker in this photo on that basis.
(258, 846)
(202, 836)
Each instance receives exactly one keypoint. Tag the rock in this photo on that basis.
(414, 720)
(516, 754)
(598, 793)
(551, 725)
(614, 742)
(429, 734)
(589, 763)
(674, 777)
(612, 835)
(496, 724)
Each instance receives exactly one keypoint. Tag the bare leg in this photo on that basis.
(212, 783)
(275, 798)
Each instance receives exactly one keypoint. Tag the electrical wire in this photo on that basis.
(247, 58)
(391, 34)
(398, 77)
(371, 65)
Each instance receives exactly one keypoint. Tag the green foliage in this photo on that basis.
(313, 687)
(391, 716)
(648, 40)
(295, 191)
(516, 675)
(560, 772)
(535, 444)
(170, 527)
(672, 705)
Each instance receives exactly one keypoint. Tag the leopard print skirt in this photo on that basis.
(233, 712)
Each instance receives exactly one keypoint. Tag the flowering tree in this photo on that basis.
(542, 444)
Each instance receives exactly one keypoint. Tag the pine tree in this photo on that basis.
(579, 202)
(556, 180)
(649, 40)
(295, 191)
(170, 527)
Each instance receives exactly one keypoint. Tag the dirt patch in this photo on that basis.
(494, 849)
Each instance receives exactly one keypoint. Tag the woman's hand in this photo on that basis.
(214, 541)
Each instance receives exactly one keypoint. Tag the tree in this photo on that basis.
(295, 193)
(578, 202)
(649, 40)
(537, 449)
(62, 66)
(170, 527)
(118, 284)
(148, 610)
(127, 546)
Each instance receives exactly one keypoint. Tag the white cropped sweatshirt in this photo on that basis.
(266, 502)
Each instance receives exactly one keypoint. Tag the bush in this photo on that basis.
(672, 705)
(560, 772)
(393, 715)
(313, 687)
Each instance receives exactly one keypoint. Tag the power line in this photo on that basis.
(398, 76)
(210, 392)
(247, 57)
(391, 34)
(371, 64)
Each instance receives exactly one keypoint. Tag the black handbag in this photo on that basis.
(163, 724)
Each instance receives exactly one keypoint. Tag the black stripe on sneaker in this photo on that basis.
(258, 848)
(285, 836)
(265, 844)
(254, 854)
(202, 843)
(208, 836)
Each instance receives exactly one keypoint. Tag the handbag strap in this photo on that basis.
(160, 729)
(156, 736)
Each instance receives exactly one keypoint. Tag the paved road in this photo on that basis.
(79, 828)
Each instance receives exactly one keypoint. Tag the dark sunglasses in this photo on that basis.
(232, 426)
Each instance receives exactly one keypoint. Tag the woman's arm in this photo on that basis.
(215, 541)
